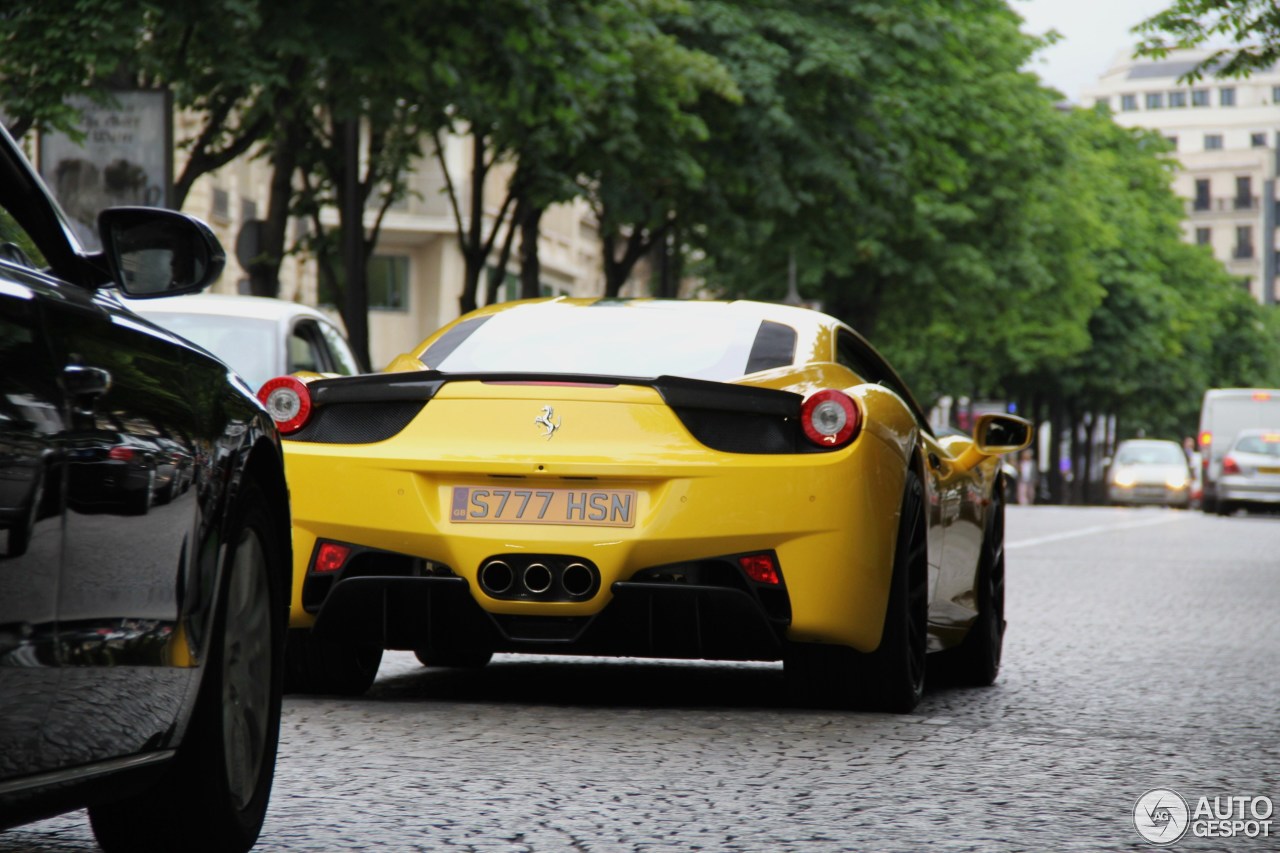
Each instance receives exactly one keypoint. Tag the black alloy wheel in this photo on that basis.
(891, 678)
(213, 798)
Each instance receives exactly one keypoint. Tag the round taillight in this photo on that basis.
(830, 418)
(287, 401)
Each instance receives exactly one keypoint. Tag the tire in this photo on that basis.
(455, 659)
(891, 678)
(318, 666)
(213, 798)
(1224, 508)
(975, 662)
(141, 503)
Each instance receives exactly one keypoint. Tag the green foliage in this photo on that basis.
(1251, 27)
(930, 191)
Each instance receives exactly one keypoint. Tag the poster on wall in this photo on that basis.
(125, 158)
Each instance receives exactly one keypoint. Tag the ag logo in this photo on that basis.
(1161, 816)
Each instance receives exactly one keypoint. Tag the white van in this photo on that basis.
(1224, 413)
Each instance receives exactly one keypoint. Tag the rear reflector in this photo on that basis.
(331, 557)
(761, 568)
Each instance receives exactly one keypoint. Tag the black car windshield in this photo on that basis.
(247, 345)
(616, 339)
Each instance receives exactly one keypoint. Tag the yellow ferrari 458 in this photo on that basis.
(643, 478)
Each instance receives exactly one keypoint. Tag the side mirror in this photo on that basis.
(995, 434)
(153, 252)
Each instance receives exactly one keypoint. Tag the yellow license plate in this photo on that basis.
(595, 507)
(1269, 470)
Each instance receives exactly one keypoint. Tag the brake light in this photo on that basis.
(331, 557)
(121, 454)
(830, 418)
(761, 568)
(288, 402)
(1229, 466)
(1206, 438)
(1261, 396)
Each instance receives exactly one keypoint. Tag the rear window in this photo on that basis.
(616, 339)
(1264, 445)
(247, 345)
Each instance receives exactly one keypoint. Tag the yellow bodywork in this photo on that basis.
(831, 517)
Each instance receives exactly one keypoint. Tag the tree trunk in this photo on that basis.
(1057, 493)
(264, 272)
(530, 265)
(355, 304)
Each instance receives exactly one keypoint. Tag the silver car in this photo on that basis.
(1149, 471)
(260, 338)
(1250, 471)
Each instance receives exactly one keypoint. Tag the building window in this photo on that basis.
(1202, 194)
(389, 282)
(221, 205)
(1177, 99)
(1244, 242)
(1199, 97)
(1258, 140)
(1105, 103)
(248, 210)
(1155, 100)
(1173, 142)
(1227, 96)
(1212, 141)
(1128, 103)
(1204, 236)
(1275, 94)
(1244, 193)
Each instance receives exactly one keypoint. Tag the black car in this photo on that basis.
(144, 540)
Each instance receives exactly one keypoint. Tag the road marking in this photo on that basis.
(1089, 531)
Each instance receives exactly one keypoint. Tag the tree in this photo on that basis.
(1251, 26)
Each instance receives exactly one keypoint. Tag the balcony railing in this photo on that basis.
(1223, 204)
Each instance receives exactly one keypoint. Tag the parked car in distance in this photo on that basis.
(144, 541)
(1250, 471)
(1223, 414)
(1149, 471)
(258, 337)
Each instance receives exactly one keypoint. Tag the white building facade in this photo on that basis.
(1226, 135)
(416, 275)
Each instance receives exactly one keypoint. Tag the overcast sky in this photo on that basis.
(1093, 32)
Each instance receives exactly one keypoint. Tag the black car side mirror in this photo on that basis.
(153, 252)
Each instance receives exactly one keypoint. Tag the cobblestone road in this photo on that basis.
(1142, 653)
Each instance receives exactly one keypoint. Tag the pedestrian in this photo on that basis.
(1026, 478)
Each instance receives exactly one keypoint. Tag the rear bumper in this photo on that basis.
(1245, 491)
(641, 620)
(1149, 495)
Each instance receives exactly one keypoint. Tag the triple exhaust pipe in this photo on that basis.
(539, 578)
